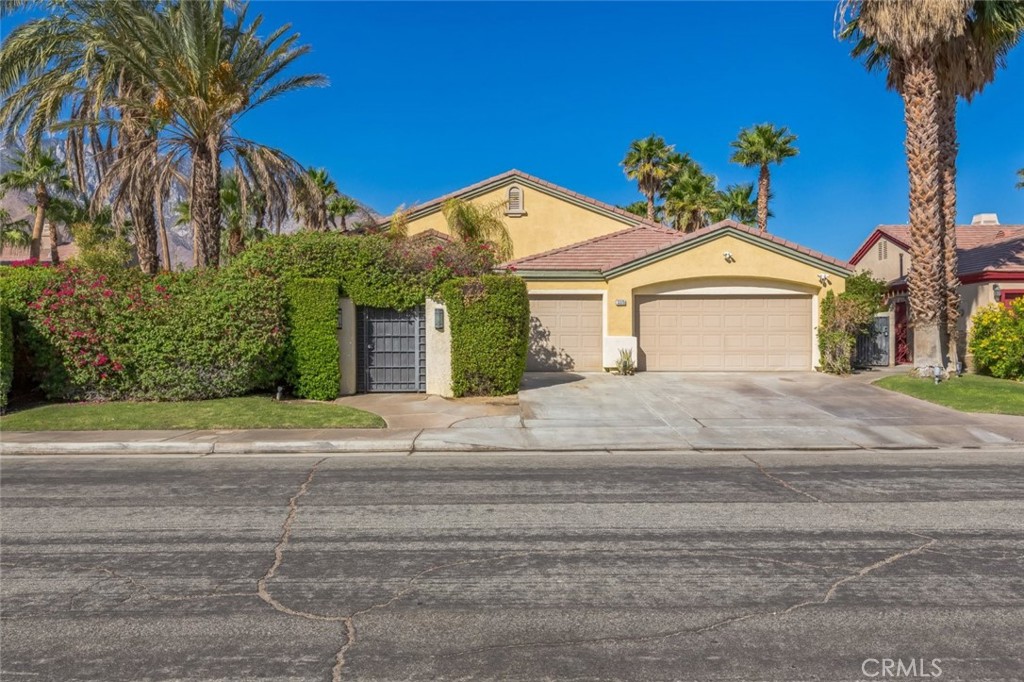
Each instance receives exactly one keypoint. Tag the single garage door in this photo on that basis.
(724, 333)
(565, 334)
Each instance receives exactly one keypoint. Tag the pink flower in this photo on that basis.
(117, 366)
(101, 360)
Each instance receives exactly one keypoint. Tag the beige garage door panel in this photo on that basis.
(565, 334)
(725, 333)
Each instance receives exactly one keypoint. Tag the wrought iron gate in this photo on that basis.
(391, 355)
(873, 345)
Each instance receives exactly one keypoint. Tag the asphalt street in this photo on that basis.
(777, 566)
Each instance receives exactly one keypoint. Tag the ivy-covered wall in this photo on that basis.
(372, 270)
(6, 354)
(490, 322)
(312, 357)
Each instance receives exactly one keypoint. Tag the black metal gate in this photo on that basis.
(873, 345)
(392, 347)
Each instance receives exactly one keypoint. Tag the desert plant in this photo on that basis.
(625, 365)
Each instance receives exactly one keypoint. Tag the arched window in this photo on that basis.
(515, 202)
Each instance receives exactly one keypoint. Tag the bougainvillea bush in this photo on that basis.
(186, 336)
(997, 340)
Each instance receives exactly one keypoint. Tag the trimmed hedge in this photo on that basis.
(312, 356)
(490, 326)
(372, 270)
(6, 354)
(185, 336)
(997, 340)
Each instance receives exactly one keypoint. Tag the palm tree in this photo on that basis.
(208, 70)
(57, 74)
(476, 224)
(43, 175)
(13, 232)
(738, 203)
(693, 201)
(340, 208)
(640, 208)
(1020, 181)
(648, 162)
(313, 191)
(964, 44)
(757, 147)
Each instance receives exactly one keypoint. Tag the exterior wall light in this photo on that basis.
(728, 257)
(823, 279)
(439, 319)
(997, 291)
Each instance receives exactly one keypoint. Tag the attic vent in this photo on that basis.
(883, 250)
(515, 201)
(985, 219)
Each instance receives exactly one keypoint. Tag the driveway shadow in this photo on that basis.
(532, 380)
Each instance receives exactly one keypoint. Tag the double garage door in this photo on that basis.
(724, 333)
(676, 333)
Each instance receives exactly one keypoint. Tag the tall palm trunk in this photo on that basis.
(143, 209)
(164, 245)
(205, 203)
(925, 281)
(948, 149)
(42, 201)
(763, 188)
(650, 206)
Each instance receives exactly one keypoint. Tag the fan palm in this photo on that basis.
(758, 147)
(640, 208)
(479, 224)
(13, 232)
(693, 201)
(314, 191)
(44, 176)
(208, 70)
(932, 60)
(739, 203)
(340, 208)
(648, 161)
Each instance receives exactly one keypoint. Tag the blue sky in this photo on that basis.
(429, 97)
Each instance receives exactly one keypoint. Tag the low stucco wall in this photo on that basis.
(439, 351)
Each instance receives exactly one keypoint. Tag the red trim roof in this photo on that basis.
(614, 250)
(980, 248)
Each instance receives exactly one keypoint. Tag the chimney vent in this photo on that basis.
(985, 219)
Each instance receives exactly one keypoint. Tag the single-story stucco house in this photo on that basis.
(601, 279)
(990, 265)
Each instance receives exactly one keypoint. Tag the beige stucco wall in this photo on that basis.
(347, 345)
(755, 269)
(550, 221)
(439, 352)
(888, 268)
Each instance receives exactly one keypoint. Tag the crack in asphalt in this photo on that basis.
(134, 586)
(825, 599)
(780, 481)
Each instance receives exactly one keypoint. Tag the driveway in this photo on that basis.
(756, 410)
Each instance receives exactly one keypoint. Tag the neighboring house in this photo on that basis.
(65, 250)
(990, 263)
(725, 298)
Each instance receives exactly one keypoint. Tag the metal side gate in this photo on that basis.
(392, 346)
(873, 344)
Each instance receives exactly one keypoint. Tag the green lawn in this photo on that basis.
(250, 412)
(969, 393)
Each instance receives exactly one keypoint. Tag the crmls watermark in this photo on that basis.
(898, 667)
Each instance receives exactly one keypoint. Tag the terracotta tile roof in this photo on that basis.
(980, 248)
(1004, 255)
(610, 251)
(497, 180)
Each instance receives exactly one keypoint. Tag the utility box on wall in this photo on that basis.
(439, 349)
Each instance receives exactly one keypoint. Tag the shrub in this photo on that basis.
(997, 340)
(6, 354)
(188, 336)
(372, 270)
(842, 318)
(312, 357)
(490, 327)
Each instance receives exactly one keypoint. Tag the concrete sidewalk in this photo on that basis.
(596, 413)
